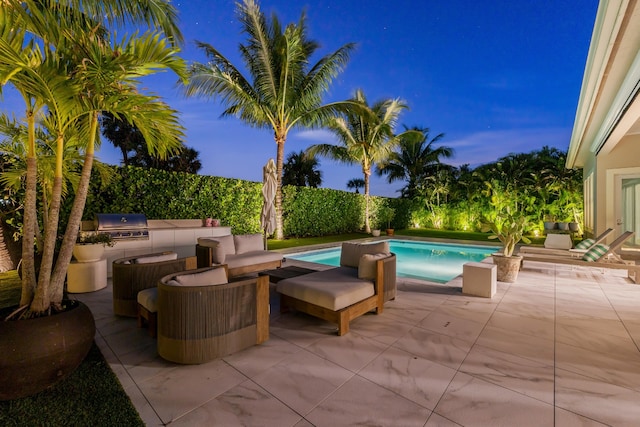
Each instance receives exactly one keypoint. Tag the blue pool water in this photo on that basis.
(437, 262)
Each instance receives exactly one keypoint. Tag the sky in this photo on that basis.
(495, 76)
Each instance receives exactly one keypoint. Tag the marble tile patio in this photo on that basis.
(558, 348)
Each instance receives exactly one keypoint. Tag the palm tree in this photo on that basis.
(64, 60)
(301, 169)
(415, 159)
(365, 136)
(283, 91)
(355, 183)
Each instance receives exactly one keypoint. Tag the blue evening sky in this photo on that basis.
(495, 76)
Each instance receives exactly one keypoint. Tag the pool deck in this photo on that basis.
(558, 348)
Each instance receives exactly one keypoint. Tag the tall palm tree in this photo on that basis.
(63, 59)
(283, 90)
(365, 135)
(301, 169)
(415, 159)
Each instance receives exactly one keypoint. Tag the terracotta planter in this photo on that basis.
(88, 252)
(389, 231)
(508, 267)
(37, 353)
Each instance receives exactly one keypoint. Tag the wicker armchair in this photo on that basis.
(129, 278)
(200, 323)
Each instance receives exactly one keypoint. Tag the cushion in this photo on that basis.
(222, 246)
(351, 252)
(213, 276)
(367, 267)
(333, 289)
(252, 258)
(595, 253)
(558, 241)
(585, 244)
(148, 298)
(155, 258)
(248, 243)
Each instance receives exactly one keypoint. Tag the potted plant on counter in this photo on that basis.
(509, 228)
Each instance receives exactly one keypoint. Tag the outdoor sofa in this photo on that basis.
(365, 280)
(202, 315)
(242, 253)
(136, 273)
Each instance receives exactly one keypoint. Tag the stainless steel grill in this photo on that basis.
(123, 226)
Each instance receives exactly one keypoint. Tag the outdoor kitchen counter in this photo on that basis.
(179, 236)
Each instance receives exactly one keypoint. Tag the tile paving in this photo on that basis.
(558, 348)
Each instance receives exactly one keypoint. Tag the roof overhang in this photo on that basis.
(609, 104)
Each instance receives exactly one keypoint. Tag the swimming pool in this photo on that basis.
(438, 262)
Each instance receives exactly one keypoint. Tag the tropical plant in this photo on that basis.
(386, 214)
(91, 238)
(284, 90)
(415, 159)
(365, 135)
(301, 169)
(69, 70)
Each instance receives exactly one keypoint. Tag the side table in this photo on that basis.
(87, 276)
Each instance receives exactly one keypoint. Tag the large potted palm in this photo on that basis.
(508, 227)
(67, 65)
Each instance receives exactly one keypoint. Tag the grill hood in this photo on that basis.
(123, 226)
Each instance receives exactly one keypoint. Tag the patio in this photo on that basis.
(559, 347)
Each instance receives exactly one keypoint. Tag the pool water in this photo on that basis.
(437, 262)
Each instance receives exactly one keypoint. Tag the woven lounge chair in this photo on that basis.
(201, 316)
(600, 256)
(134, 274)
(577, 252)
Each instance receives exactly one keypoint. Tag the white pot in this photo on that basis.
(88, 252)
(375, 233)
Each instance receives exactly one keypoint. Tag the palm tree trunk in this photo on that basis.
(75, 217)
(41, 301)
(279, 234)
(30, 219)
(367, 225)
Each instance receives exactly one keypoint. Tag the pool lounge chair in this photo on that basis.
(602, 256)
(576, 252)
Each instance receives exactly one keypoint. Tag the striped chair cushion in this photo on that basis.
(595, 253)
(585, 244)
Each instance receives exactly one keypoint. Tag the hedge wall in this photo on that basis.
(237, 203)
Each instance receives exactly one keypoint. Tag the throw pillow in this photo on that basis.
(156, 258)
(248, 243)
(595, 253)
(367, 266)
(585, 244)
(213, 276)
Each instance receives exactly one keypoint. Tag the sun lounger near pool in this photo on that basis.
(573, 252)
(607, 258)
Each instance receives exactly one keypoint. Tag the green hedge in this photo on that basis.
(237, 203)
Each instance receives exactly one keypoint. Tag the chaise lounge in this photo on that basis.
(365, 280)
(553, 247)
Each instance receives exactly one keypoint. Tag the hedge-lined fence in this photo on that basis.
(237, 203)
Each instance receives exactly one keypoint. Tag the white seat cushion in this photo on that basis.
(213, 276)
(148, 298)
(248, 243)
(333, 289)
(558, 241)
(155, 258)
(252, 258)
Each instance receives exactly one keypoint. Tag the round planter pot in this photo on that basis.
(507, 267)
(37, 353)
(375, 233)
(88, 252)
(563, 226)
(389, 231)
(548, 225)
(573, 226)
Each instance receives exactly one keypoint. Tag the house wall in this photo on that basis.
(623, 159)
